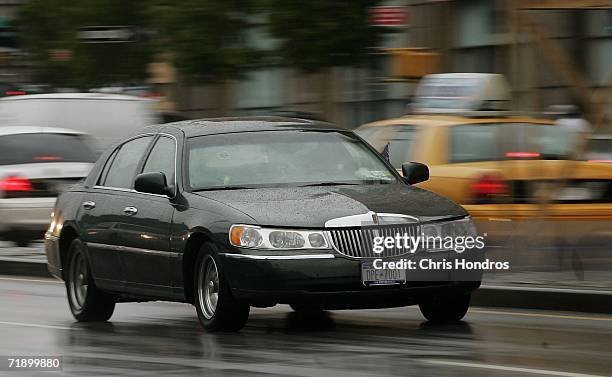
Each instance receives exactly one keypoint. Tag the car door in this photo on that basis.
(145, 228)
(100, 215)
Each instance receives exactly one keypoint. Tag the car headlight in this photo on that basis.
(441, 230)
(255, 237)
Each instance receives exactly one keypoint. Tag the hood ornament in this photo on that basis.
(375, 218)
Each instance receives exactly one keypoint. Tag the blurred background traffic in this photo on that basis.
(508, 102)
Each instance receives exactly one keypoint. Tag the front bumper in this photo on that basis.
(332, 281)
(52, 249)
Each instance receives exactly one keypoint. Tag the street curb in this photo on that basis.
(558, 299)
(23, 268)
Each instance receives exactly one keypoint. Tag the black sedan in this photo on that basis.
(231, 213)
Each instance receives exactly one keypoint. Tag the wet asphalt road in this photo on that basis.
(165, 339)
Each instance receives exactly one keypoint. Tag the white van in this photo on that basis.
(107, 117)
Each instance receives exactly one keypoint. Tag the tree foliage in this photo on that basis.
(45, 25)
(207, 38)
(318, 34)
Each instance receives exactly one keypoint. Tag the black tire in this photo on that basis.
(446, 308)
(217, 309)
(87, 303)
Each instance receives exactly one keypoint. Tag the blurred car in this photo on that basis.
(237, 212)
(131, 90)
(298, 114)
(501, 168)
(16, 89)
(599, 149)
(36, 164)
(107, 117)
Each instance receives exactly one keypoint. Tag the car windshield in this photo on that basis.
(282, 158)
(44, 147)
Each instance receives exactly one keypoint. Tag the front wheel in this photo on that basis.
(87, 302)
(216, 307)
(446, 308)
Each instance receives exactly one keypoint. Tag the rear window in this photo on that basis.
(400, 139)
(503, 141)
(44, 147)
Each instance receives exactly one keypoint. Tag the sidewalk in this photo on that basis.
(594, 280)
(32, 253)
(590, 291)
(24, 261)
(558, 290)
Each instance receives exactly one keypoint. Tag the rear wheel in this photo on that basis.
(216, 307)
(87, 302)
(446, 308)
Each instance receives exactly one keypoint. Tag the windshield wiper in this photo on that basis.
(330, 184)
(381, 181)
(224, 188)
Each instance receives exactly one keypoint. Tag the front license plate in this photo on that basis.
(371, 276)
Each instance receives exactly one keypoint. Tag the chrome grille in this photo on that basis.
(359, 242)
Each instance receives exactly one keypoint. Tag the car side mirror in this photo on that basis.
(415, 172)
(152, 183)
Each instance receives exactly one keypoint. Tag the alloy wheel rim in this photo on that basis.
(79, 280)
(208, 287)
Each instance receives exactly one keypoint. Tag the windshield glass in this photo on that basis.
(398, 138)
(282, 158)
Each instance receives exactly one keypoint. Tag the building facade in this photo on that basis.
(435, 36)
(467, 36)
(492, 36)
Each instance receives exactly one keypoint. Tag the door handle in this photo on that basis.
(89, 205)
(130, 211)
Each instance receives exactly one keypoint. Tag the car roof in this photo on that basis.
(452, 120)
(15, 130)
(73, 96)
(213, 126)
